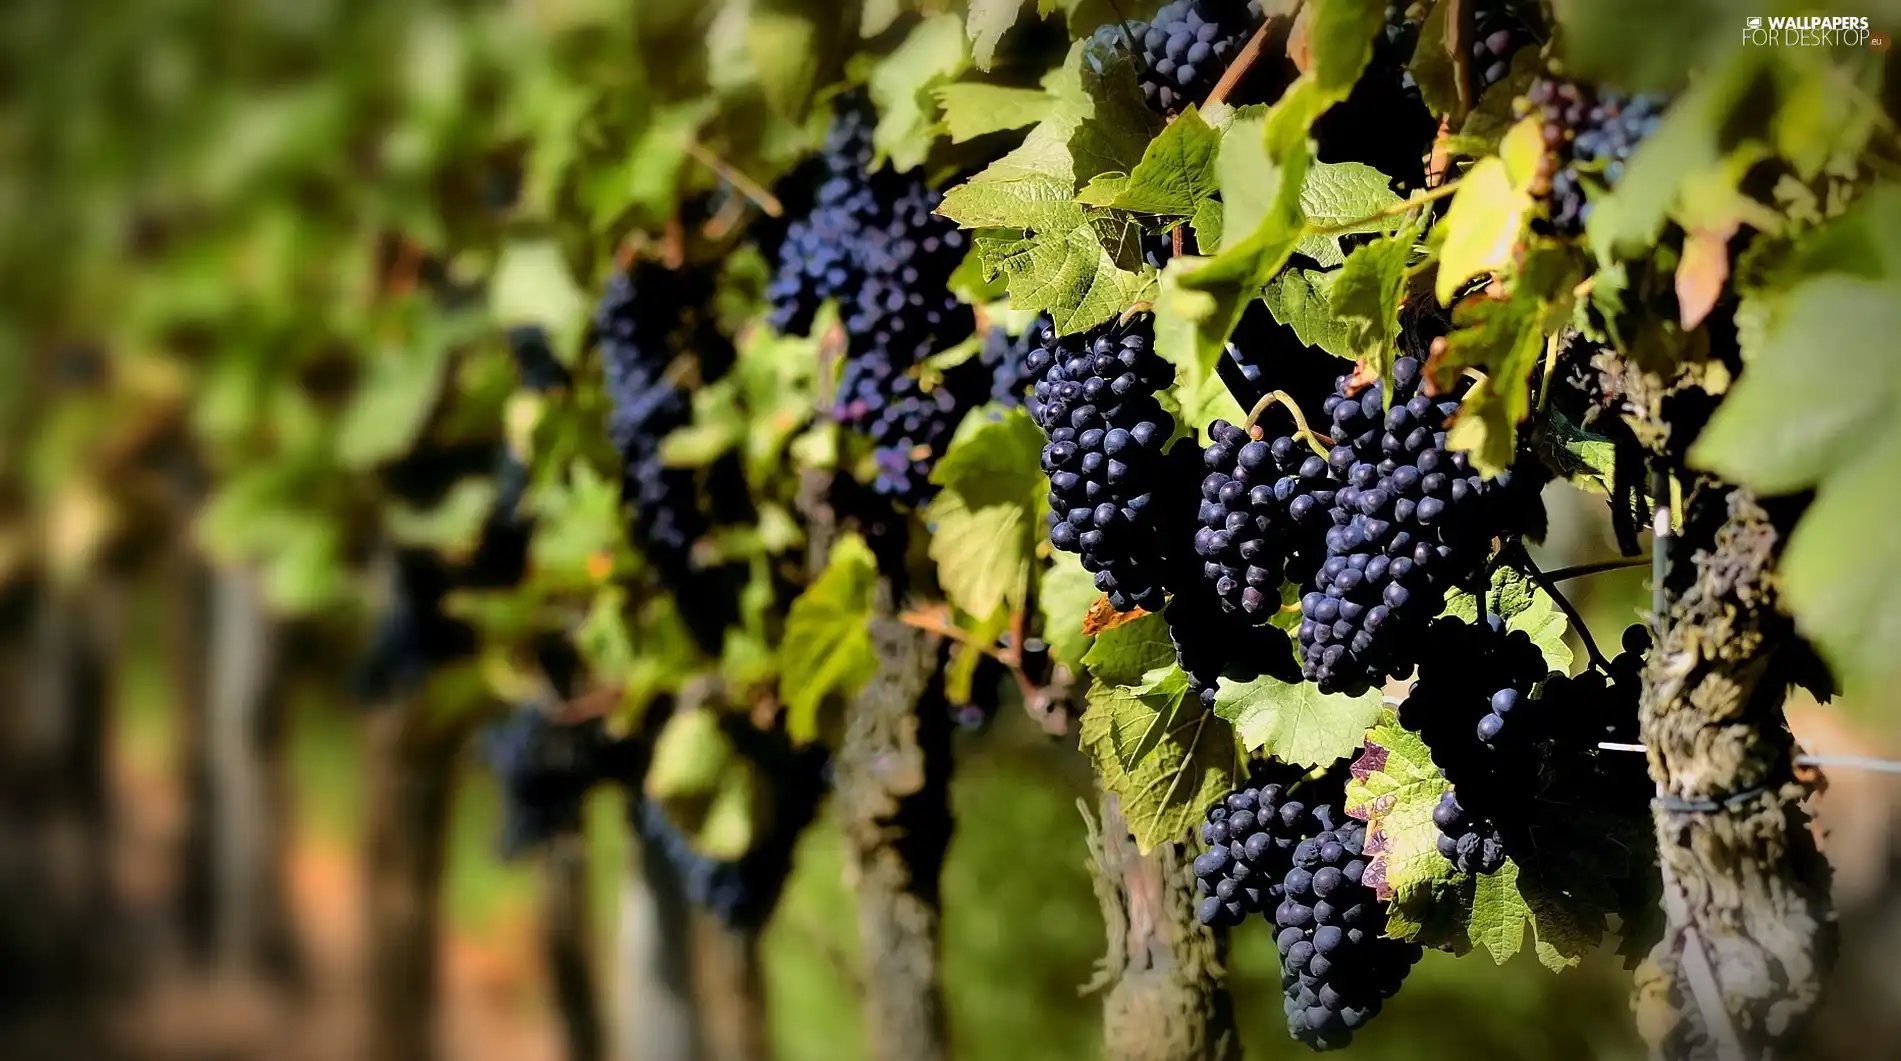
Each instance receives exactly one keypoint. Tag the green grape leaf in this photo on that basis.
(1810, 411)
(1207, 225)
(1069, 274)
(1524, 605)
(1302, 299)
(689, 756)
(577, 519)
(986, 24)
(972, 109)
(532, 284)
(1115, 122)
(392, 405)
(1432, 67)
(1065, 597)
(827, 648)
(1296, 723)
(1176, 174)
(1394, 790)
(902, 86)
(1190, 760)
(453, 526)
(1366, 297)
(1505, 340)
(1340, 42)
(988, 517)
(1345, 197)
(1122, 654)
(1261, 167)
(1032, 187)
(1587, 460)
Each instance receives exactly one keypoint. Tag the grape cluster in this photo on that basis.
(1473, 845)
(1262, 503)
(1184, 49)
(1516, 743)
(1250, 836)
(741, 892)
(1095, 400)
(545, 768)
(655, 327)
(873, 241)
(1589, 136)
(1008, 359)
(909, 426)
(1411, 519)
(1337, 966)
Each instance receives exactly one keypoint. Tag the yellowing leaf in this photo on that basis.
(1482, 228)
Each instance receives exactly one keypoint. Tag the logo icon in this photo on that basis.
(1755, 22)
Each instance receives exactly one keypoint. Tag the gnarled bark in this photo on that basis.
(1167, 997)
(892, 778)
(1751, 930)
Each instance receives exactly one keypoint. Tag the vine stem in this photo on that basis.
(932, 623)
(1305, 433)
(1403, 206)
(1580, 570)
(1250, 52)
(746, 186)
(1564, 605)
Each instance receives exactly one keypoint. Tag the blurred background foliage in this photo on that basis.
(257, 265)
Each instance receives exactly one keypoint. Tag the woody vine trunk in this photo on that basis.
(1166, 996)
(1750, 932)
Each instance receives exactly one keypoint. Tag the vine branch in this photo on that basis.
(1564, 605)
(746, 186)
(1565, 574)
(1314, 439)
(1275, 25)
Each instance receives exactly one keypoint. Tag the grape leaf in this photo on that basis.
(987, 519)
(1505, 340)
(1068, 274)
(1394, 789)
(1340, 42)
(1432, 67)
(1191, 762)
(1482, 228)
(1122, 654)
(1067, 592)
(827, 647)
(972, 109)
(902, 85)
(1176, 174)
(1302, 299)
(986, 24)
(390, 408)
(1345, 196)
(1261, 223)
(1811, 410)
(1675, 38)
(1366, 298)
(1296, 723)
(1586, 460)
(532, 284)
(1524, 605)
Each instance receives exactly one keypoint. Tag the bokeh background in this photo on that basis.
(255, 263)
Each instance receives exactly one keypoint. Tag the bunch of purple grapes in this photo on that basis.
(1590, 134)
(1182, 51)
(873, 241)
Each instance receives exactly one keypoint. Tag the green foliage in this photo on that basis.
(827, 649)
(1524, 605)
(1164, 755)
(1296, 723)
(990, 513)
